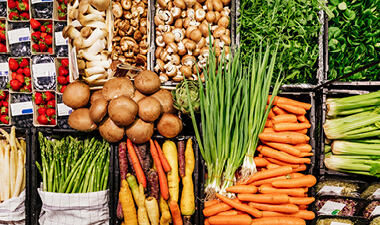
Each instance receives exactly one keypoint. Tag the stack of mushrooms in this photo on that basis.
(131, 32)
(182, 36)
(122, 107)
(88, 32)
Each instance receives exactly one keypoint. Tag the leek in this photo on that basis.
(364, 165)
(355, 148)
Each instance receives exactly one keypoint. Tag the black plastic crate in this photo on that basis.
(36, 179)
(197, 175)
(355, 219)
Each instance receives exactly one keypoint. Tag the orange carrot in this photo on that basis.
(301, 200)
(269, 123)
(269, 189)
(285, 137)
(176, 213)
(284, 118)
(272, 166)
(235, 219)
(303, 131)
(279, 111)
(206, 222)
(278, 221)
(136, 164)
(164, 188)
(218, 208)
(303, 147)
(211, 202)
(281, 163)
(306, 181)
(302, 167)
(270, 180)
(269, 173)
(260, 162)
(164, 162)
(292, 109)
(285, 157)
(288, 101)
(303, 207)
(242, 189)
(284, 208)
(228, 213)
(284, 147)
(306, 154)
(290, 126)
(265, 198)
(268, 130)
(271, 113)
(303, 214)
(239, 206)
(302, 119)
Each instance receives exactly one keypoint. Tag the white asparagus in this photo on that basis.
(13, 170)
(2, 171)
(7, 191)
(20, 175)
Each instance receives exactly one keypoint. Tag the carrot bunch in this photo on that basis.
(284, 139)
(272, 196)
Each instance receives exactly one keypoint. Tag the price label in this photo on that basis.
(19, 35)
(331, 208)
(21, 108)
(337, 223)
(59, 40)
(376, 194)
(39, 1)
(63, 110)
(376, 211)
(43, 70)
(4, 70)
(330, 190)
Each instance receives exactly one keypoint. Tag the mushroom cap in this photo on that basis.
(196, 35)
(100, 5)
(168, 37)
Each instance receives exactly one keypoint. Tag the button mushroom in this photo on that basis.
(196, 35)
(178, 34)
(176, 12)
(171, 47)
(210, 16)
(158, 51)
(224, 22)
(188, 60)
(200, 14)
(159, 65)
(180, 4)
(171, 70)
(189, 30)
(176, 59)
(168, 37)
(160, 41)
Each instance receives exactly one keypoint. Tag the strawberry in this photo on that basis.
(2, 35)
(61, 80)
(68, 79)
(25, 89)
(47, 96)
(51, 104)
(13, 16)
(36, 47)
(52, 121)
(65, 63)
(3, 95)
(43, 28)
(50, 113)
(42, 120)
(5, 103)
(15, 84)
(26, 71)
(43, 46)
(37, 97)
(3, 48)
(4, 119)
(23, 62)
(20, 78)
(50, 50)
(22, 6)
(4, 111)
(25, 16)
(20, 71)
(48, 39)
(36, 36)
(43, 34)
(14, 74)
(62, 88)
(34, 24)
(12, 4)
(13, 64)
(62, 71)
(42, 110)
(49, 28)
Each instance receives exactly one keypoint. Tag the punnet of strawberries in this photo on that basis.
(42, 39)
(3, 39)
(62, 9)
(63, 78)
(46, 112)
(20, 79)
(4, 107)
(18, 10)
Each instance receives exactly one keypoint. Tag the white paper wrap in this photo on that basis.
(12, 211)
(68, 209)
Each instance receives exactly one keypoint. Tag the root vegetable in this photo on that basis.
(176, 213)
(127, 204)
(116, 87)
(187, 197)
(76, 95)
(166, 100)
(165, 213)
(142, 213)
(149, 109)
(170, 151)
(110, 131)
(153, 212)
(139, 156)
(123, 162)
(122, 110)
(136, 164)
(147, 82)
(164, 189)
(169, 125)
(139, 131)
(133, 186)
(181, 158)
(153, 184)
(98, 110)
(80, 120)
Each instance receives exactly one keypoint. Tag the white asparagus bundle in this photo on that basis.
(12, 165)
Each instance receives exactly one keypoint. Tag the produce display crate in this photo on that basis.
(36, 179)
(197, 177)
(42, 21)
(355, 219)
(5, 21)
(31, 73)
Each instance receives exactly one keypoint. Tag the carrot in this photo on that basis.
(136, 164)
(278, 221)
(239, 206)
(236, 219)
(288, 101)
(216, 208)
(306, 181)
(303, 147)
(285, 137)
(228, 213)
(284, 208)
(211, 202)
(164, 161)
(292, 109)
(269, 189)
(285, 157)
(303, 131)
(176, 213)
(285, 148)
(301, 200)
(265, 198)
(268, 130)
(302, 167)
(269, 123)
(260, 162)
(269, 173)
(281, 163)
(207, 222)
(303, 214)
(271, 113)
(302, 119)
(242, 189)
(270, 180)
(272, 166)
(164, 188)
(306, 154)
(284, 118)
(290, 126)
(279, 111)
(303, 207)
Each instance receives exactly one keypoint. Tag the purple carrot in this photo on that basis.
(123, 162)
(153, 184)
(147, 163)
(139, 155)
(181, 158)
(131, 165)
(119, 211)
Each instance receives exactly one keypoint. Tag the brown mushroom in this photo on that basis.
(86, 32)
(189, 30)
(158, 21)
(178, 34)
(196, 35)
(163, 77)
(178, 23)
(171, 70)
(179, 3)
(226, 39)
(160, 41)
(200, 14)
(209, 5)
(159, 65)
(218, 32)
(224, 22)
(210, 16)
(197, 6)
(176, 59)
(217, 5)
(181, 49)
(126, 4)
(126, 43)
(168, 37)
(137, 35)
(186, 22)
(190, 3)
(186, 71)
(117, 9)
(188, 60)
(204, 29)
(176, 12)
(190, 45)
(201, 43)
(171, 47)
(163, 3)
(158, 51)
